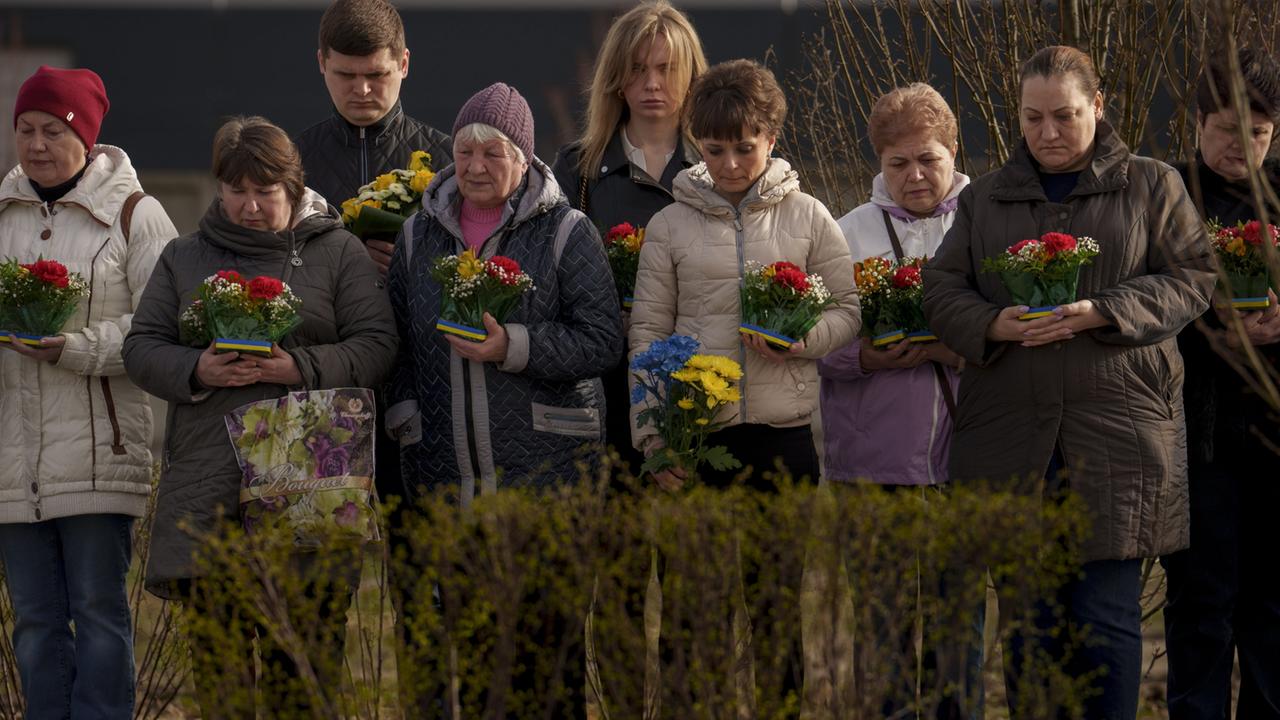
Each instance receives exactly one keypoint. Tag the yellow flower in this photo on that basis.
(711, 382)
(421, 179)
(769, 271)
(686, 374)
(350, 209)
(685, 404)
(720, 365)
(469, 265)
(633, 242)
(702, 421)
(420, 160)
(376, 204)
(382, 182)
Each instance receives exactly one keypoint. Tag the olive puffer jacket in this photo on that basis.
(347, 339)
(77, 433)
(1109, 399)
(691, 268)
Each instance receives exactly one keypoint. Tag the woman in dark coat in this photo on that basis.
(1096, 386)
(1220, 601)
(263, 222)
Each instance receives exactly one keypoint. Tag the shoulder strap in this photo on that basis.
(567, 223)
(582, 194)
(893, 235)
(945, 384)
(407, 231)
(126, 213)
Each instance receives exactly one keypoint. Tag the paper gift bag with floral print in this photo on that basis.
(307, 459)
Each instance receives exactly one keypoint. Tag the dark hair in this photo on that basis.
(254, 148)
(361, 27)
(1261, 82)
(1057, 60)
(734, 95)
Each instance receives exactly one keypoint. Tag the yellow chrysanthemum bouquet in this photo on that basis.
(380, 208)
(688, 392)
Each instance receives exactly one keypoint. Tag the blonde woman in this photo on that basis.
(633, 145)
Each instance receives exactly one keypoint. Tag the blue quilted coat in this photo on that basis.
(524, 421)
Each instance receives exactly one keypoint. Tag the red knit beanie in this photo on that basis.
(503, 107)
(76, 97)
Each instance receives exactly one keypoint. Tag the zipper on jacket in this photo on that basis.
(740, 241)
(469, 420)
(364, 160)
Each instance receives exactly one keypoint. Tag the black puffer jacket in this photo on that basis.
(1223, 412)
(339, 157)
(524, 420)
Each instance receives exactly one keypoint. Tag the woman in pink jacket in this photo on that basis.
(886, 413)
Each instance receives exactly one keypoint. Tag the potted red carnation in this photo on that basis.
(37, 299)
(239, 314)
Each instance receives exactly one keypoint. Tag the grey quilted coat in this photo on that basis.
(1111, 398)
(525, 420)
(346, 339)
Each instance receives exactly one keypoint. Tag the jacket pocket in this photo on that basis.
(572, 421)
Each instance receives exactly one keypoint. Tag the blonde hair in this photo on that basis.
(629, 34)
(905, 111)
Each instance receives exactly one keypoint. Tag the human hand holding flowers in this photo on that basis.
(901, 355)
(279, 369)
(492, 349)
(1065, 323)
(49, 350)
(216, 370)
(380, 251)
(770, 353)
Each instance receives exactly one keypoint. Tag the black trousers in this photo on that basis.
(1224, 595)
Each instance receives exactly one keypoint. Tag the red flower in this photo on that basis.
(907, 276)
(231, 276)
(1016, 248)
(617, 232)
(784, 265)
(265, 288)
(504, 268)
(1057, 242)
(50, 272)
(1252, 232)
(792, 277)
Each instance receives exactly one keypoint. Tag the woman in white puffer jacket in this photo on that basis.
(76, 430)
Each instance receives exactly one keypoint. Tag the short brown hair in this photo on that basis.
(254, 148)
(905, 111)
(361, 27)
(734, 95)
(1261, 83)
(1057, 60)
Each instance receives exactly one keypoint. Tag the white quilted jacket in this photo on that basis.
(76, 434)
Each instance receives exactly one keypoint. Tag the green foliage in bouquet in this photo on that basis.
(229, 306)
(37, 299)
(1043, 273)
(781, 303)
(473, 287)
(380, 207)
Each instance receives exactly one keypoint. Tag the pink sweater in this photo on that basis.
(478, 224)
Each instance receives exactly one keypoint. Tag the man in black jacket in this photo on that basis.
(363, 59)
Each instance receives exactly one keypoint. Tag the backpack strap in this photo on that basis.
(126, 213)
(407, 231)
(567, 223)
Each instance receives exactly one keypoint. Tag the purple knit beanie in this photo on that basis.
(500, 106)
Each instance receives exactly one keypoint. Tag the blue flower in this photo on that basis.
(666, 356)
(637, 394)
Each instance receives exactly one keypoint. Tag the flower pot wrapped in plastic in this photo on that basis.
(1242, 257)
(781, 303)
(37, 299)
(471, 287)
(307, 465)
(238, 314)
(1043, 273)
(881, 301)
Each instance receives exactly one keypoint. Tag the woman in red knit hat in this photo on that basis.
(76, 456)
